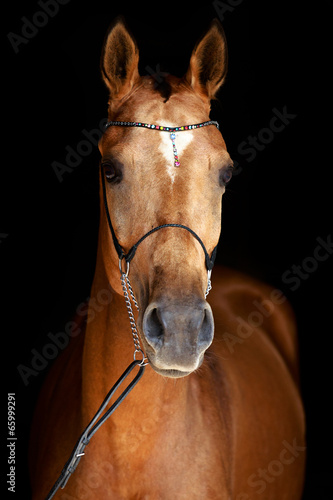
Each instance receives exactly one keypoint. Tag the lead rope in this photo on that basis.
(99, 418)
(96, 422)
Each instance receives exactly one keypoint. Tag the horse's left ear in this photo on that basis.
(119, 60)
(209, 61)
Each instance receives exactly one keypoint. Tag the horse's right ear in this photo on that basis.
(119, 60)
(209, 61)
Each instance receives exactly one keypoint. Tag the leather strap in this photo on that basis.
(95, 424)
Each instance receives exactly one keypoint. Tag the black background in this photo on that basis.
(273, 211)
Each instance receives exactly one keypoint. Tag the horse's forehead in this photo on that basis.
(152, 102)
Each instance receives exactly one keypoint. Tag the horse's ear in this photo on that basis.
(209, 61)
(119, 60)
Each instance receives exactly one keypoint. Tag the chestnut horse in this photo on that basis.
(211, 418)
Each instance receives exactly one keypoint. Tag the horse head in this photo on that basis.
(153, 180)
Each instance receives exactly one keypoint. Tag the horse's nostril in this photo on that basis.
(206, 330)
(153, 328)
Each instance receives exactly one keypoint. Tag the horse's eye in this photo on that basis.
(111, 172)
(226, 175)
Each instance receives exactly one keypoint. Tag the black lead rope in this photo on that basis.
(95, 424)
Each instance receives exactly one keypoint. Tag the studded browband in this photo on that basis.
(161, 128)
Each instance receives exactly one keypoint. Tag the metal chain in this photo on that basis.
(126, 286)
(129, 286)
(209, 284)
(208, 289)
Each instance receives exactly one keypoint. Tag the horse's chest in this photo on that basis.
(173, 451)
(179, 458)
(186, 466)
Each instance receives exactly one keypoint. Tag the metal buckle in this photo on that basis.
(121, 267)
(144, 360)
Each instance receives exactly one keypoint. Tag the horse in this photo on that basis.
(218, 412)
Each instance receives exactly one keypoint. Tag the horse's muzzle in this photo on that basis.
(177, 335)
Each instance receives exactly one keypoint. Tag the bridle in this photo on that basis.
(126, 285)
(103, 413)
